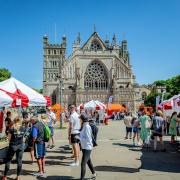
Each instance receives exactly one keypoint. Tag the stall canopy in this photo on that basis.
(48, 99)
(5, 100)
(95, 105)
(116, 107)
(21, 94)
(170, 105)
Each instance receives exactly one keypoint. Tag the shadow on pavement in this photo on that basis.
(56, 157)
(57, 163)
(168, 161)
(50, 162)
(161, 161)
(56, 177)
(66, 147)
(124, 145)
(14, 171)
(116, 169)
(59, 151)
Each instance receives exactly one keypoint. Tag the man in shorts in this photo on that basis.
(39, 145)
(74, 132)
(128, 124)
(158, 130)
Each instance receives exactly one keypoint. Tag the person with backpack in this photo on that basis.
(38, 133)
(158, 127)
(86, 140)
(15, 136)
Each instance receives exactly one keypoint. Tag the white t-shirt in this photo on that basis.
(86, 137)
(127, 121)
(51, 119)
(75, 121)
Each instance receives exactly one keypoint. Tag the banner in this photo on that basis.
(158, 98)
(110, 100)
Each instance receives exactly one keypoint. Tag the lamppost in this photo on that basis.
(60, 101)
(60, 92)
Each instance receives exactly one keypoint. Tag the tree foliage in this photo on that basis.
(39, 90)
(172, 88)
(4, 74)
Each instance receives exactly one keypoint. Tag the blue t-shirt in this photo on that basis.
(34, 132)
(158, 123)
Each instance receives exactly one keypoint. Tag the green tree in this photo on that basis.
(150, 100)
(173, 85)
(172, 88)
(4, 74)
(39, 90)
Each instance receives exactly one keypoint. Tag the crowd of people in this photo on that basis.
(146, 128)
(27, 134)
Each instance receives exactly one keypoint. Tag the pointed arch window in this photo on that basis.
(95, 77)
(95, 46)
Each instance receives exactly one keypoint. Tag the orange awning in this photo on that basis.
(116, 107)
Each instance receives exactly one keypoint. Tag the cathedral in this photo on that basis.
(95, 70)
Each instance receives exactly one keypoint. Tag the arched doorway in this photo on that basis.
(53, 97)
(95, 77)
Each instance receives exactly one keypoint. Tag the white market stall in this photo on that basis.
(171, 105)
(94, 105)
(5, 100)
(21, 94)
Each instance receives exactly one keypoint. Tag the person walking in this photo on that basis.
(128, 124)
(145, 123)
(158, 126)
(51, 122)
(39, 145)
(73, 133)
(136, 130)
(8, 122)
(15, 136)
(87, 146)
(29, 139)
(172, 126)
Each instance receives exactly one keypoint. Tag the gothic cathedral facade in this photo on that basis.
(95, 70)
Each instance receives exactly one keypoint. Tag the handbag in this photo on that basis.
(147, 124)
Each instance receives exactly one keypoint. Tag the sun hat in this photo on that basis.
(159, 113)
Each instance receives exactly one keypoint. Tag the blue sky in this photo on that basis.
(152, 28)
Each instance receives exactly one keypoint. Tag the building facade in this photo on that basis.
(96, 70)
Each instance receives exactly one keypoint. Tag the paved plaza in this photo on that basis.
(114, 159)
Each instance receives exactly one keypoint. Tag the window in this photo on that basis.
(95, 77)
(95, 46)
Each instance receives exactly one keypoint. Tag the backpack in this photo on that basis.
(94, 134)
(47, 133)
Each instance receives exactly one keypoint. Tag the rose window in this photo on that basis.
(95, 77)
